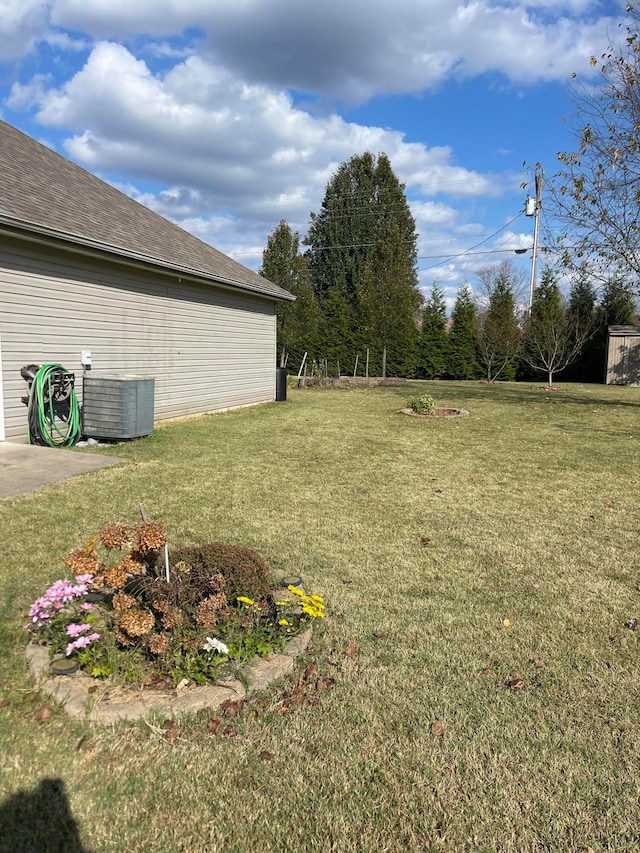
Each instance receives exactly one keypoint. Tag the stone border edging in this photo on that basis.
(438, 412)
(72, 691)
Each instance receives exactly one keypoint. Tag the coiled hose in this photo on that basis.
(53, 411)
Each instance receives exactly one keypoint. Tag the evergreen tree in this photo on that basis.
(363, 250)
(462, 361)
(388, 306)
(297, 321)
(617, 307)
(554, 335)
(589, 364)
(433, 341)
(499, 334)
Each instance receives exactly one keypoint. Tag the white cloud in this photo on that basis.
(352, 51)
(23, 23)
(245, 148)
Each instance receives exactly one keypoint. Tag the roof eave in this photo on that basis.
(94, 247)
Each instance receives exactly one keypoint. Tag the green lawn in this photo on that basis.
(530, 508)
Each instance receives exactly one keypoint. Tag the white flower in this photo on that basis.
(211, 644)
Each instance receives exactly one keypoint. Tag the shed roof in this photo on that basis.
(624, 331)
(46, 194)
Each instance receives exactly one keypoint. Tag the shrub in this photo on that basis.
(422, 405)
(244, 571)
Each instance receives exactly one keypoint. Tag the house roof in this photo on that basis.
(46, 194)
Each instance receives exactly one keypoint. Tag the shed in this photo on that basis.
(623, 355)
(83, 267)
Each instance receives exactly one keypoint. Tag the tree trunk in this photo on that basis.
(384, 362)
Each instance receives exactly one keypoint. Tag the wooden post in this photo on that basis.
(355, 367)
(384, 362)
(338, 370)
(303, 365)
(366, 372)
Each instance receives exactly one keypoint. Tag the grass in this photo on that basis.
(530, 508)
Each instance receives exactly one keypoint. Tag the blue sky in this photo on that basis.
(229, 115)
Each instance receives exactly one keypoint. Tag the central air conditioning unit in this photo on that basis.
(117, 407)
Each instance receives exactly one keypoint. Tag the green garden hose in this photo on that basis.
(53, 411)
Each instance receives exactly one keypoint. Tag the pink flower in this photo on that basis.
(84, 579)
(87, 606)
(93, 637)
(74, 630)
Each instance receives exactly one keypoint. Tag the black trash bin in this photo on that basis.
(281, 384)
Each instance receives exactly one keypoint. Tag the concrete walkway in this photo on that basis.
(26, 467)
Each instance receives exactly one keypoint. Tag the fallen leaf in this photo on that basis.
(43, 714)
(325, 683)
(230, 732)
(381, 636)
(351, 649)
(311, 670)
(632, 624)
(424, 540)
(483, 576)
(470, 480)
(437, 728)
(172, 735)
(607, 502)
(93, 688)
(33, 696)
(4, 703)
(213, 725)
(488, 672)
(516, 684)
(437, 491)
(347, 582)
(265, 755)
(507, 623)
(538, 663)
(189, 768)
(81, 742)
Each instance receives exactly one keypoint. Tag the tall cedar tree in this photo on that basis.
(554, 335)
(434, 341)
(499, 333)
(297, 322)
(462, 360)
(363, 250)
(589, 364)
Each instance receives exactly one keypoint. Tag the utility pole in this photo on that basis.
(532, 208)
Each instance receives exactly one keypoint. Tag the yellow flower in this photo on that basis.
(244, 600)
(283, 622)
(283, 603)
(295, 590)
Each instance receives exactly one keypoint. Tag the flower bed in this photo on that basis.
(143, 616)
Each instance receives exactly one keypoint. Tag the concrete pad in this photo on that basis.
(26, 467)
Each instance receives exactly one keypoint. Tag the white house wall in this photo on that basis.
(208, 348)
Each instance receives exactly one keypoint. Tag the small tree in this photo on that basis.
(554, 334)
(433, 342)
(499, 333)
(462, 360)
(283, 264)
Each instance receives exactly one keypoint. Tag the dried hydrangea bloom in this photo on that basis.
(123, 638)
(161, 604)
(115, 576)
(217, 582)
(172, 618)
(208, 611)
(115, 535)
(151, 536)
(137, 622)
(158, 644)
(81, 563)
(132, 566)
(121, 601)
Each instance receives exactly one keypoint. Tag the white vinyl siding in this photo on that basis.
(208, 348)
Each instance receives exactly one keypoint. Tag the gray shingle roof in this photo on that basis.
(43, 192)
